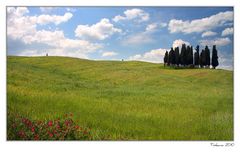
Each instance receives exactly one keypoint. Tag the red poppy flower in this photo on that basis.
(33, 130)
(51, 135)
(50, 123)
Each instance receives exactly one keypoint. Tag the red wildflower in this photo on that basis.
(77, 127)
(50, 134)
(33, 130)
(50, 123)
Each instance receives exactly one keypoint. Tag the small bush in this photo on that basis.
(22, 128)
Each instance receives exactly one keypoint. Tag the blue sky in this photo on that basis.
(115, 33)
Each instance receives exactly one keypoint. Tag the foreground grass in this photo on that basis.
(124, 100)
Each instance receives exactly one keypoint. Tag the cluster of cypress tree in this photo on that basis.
(185, 58)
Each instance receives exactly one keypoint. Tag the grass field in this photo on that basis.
(124, 100)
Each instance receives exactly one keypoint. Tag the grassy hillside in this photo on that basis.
(124, 100)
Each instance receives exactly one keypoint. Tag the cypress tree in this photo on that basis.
(214, 57)
(177, 57)
(165, 58)
(191, 56)
(171, 57)
(196, 57)
(188, 55)
(203, 58)
(207, 54)
(183, 55)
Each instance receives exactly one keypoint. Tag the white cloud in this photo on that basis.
(19, 24)
(53, 42)
(133, 14)
(154, 56)
(151, 27)
(107, 54)
(200, 25)
(57, 39)
(56, 19)
(98, 31)
(155, 26)
(217, 41)
(179, 42)
(208, 34)
(227, 31)
(18, 12)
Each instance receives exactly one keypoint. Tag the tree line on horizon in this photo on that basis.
(186, 58)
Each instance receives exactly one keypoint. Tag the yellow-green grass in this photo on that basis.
(124, 100)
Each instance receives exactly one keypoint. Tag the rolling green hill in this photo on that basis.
(124, 100)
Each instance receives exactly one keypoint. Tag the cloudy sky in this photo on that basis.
(115, 33)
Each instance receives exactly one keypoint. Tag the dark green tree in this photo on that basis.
(203, 58)
(207, 54)
(183, 57)
(214, 57)
(165, 58)
(172, 57)
(200, 59)
(191, 56)
(177, 56)
(196, 57)
(188, 55)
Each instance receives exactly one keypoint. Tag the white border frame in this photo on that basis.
(119, 146)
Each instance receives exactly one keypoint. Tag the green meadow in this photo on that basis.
(124, 100)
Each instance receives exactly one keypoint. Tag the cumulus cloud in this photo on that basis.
(151, 27)
(56, 19)
(133, 14)
(179, 42)
(99, 31)
(18, 12)
(200, 25)
(154, 56)
(154, 26)
(53, 42)
(208, 34)
(108, 54)
(217, 41)
(19, 24)
(227, 31)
